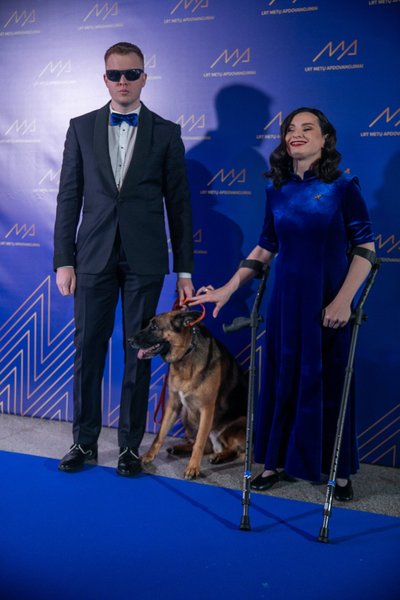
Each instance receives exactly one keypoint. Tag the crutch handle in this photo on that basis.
(237, 324)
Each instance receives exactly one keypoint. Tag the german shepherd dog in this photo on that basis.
(205, 386)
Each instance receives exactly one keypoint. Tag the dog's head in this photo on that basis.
(168, 335)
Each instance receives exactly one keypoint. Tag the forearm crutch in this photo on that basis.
(357, 317)
(253, 321)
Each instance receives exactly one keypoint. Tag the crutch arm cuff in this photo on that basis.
(369, 255)
(255, 265)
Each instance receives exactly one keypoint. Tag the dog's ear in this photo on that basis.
(184, 319)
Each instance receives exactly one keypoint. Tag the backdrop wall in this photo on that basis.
(227, 71)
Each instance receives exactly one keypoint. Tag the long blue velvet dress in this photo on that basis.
(311, 225)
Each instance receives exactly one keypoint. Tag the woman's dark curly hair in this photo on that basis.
(325, 168)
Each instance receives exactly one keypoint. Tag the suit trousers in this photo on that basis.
(96, 299)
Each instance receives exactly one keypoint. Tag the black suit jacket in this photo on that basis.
(90, 203)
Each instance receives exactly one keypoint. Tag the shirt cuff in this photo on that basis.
(185, 275)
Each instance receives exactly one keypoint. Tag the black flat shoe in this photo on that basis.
(285, 477)
(129, 463)
(344, 493)
(261, 483)
(77, 456)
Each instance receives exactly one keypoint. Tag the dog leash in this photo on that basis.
(200, 318)
(163, 393)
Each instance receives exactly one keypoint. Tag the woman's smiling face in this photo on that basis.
(304, 138)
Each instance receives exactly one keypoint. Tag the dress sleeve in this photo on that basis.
(268, 238)
(356, 216)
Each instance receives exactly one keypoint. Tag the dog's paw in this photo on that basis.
(217, 459)
(223, 457)
(184, 449)
(191, 472)
(147, 458)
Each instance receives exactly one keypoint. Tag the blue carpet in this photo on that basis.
(93, 535)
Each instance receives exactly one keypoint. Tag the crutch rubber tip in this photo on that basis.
(245, 523)
(323, 535)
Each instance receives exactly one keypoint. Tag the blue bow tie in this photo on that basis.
(117, 119)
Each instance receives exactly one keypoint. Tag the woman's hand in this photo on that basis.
(336, 314)
(222, 294)
(208, 294)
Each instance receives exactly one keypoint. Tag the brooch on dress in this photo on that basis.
(318, 197)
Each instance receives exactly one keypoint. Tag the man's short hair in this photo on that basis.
(124, 48)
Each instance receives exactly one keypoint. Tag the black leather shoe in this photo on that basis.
(344, 493)
(128, 462)
(261, 483)
(77, 456)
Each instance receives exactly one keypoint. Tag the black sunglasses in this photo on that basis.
(129, 74)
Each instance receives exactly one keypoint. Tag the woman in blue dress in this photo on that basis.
(314, 215)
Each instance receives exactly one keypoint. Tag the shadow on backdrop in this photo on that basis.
(379, 354)
(226, 174)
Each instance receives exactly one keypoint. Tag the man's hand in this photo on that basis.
(185, 289)
(66, 280)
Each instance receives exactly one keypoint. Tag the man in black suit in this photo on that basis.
(122, 165)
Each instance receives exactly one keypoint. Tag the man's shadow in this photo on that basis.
(226, 175)
(378, 352)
